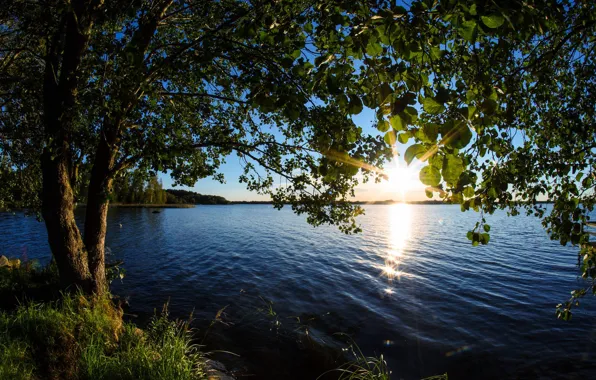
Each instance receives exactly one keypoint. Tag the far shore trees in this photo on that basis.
(494, 99)
(132, 187)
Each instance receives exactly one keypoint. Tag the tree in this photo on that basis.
(479, 90)
(496, 99)
(167, 85)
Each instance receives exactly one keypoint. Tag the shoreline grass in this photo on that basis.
(49, 334)
(77, 337)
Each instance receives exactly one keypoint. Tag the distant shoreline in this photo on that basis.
(188, 205)
(387, 202)
(145, 205)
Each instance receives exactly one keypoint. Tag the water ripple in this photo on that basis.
(411, 278)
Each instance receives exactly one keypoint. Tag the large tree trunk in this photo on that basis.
(100, 186)
(58, 213)
(83, 264)
(59, 97)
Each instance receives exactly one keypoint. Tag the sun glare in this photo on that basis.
(399, 181)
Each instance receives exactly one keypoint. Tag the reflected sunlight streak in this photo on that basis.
(399, 221)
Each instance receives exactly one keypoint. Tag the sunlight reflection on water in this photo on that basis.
(399, 220)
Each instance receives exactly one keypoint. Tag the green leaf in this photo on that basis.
(333, 84)
(355, 105)
(430, 132)
(436, 160)
(410, 114)
(373, 49)
(471, 112)
(430, 176)
(389, 137)
(489, 106)
(342, 101)
(414, 151)
(468, 192)
(484, 238)
(383, 126)
(292, 113)
(385, 91)
(459, 136)
(453, 166)
(493, 21)
(492, 192)
(398, 123)
(467, 30)
(486, 228)
(403, 137)
(472, 9)
(433, 107)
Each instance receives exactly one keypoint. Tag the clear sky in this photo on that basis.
(405, 185)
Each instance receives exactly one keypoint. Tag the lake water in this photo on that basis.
(410, 287)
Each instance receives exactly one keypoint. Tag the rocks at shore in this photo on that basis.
(9, 263)
(217, 371)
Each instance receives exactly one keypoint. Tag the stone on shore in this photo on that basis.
(217, 371)
(9, 263)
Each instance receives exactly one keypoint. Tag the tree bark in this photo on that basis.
(100, 186)
(83, 262)
(102, 173)
(58, 213)
(59, 98)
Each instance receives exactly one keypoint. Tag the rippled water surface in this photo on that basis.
(410, 287)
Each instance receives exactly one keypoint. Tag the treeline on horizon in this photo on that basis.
(135, 188)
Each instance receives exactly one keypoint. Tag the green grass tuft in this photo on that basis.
(15, 360)
(163, 351)
(361, 367)
(81, 338)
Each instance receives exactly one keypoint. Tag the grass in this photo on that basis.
(81, 338)
(361, 367)
(27, 276)
(163, 351)
(28, 281)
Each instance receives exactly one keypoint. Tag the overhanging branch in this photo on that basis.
(202, 95)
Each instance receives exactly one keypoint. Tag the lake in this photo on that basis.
(410, 287)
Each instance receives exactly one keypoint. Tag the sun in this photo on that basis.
(400, 180)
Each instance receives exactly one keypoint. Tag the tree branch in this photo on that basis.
(202, 94)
